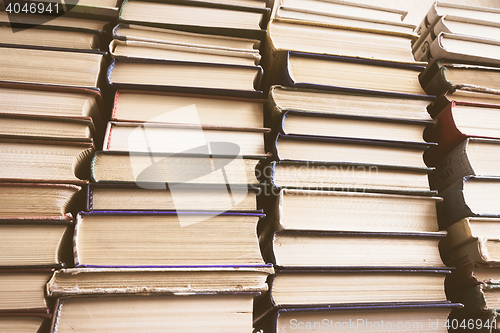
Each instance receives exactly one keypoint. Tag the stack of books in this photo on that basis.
(466, 162)
(169, 236)
(352, 229)
(51, 118)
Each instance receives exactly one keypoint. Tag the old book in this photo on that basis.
(229, 19)
(460, 95)
(344, 9)
(460, 120)
(147, 50)
(30, 20)
(350, 126)
(284, 36)
(472, 275)
(310, 15)
(79, 129)
(463, 48)
(167, 281)
(298, 248)
(36, 36)
(441, 76)
(160, 239)
(23, 322)
(305, 70)
(80, 69)
(353, 212)
(181, 76)
(134, 32)
(440, 9)
(471, 157)
(22, 290)
(348, 287)
(282, 99)
(363, 318)
(207, 110)
(471, 229)
(164, 138)
(471, 196)
(35, 242)
(342, 150)
(55, 102)
(348, 177)
(118, 196)
(168, 169)
(44, 160)
(45, 200)
(456, 25)
(208, 313)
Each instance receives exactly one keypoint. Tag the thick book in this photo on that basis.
(184, 76)
(174, 169)
(464, 48)
(302, 15)
(351, 212)
(179, 108)
(312, 288)
(455, 25)
(210, 313)
(460, 120)
(347, 150)
(356, 177)
(293, 122)
(22, 290)
(166, 239)
(35, 242)
(23, 159)
(329, 72)
(156, 137)
(166, 281)
(197, 16)
(52, 101)
(22, 20)
(432, 316)
(182, 197)
(46, 200)
(471, 196)
(160, 51)
(336, 8)
(442, 75)
(142, 33)
(68, 67)
(440, 9)
(286, 35)
(471, 157)
(44, 36)
(283, 99)
(302, 248)
(464, 95)
(24, 321)
(478, 236)
(79, 129)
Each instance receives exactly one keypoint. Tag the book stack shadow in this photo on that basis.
(351, 221)
(462, 45)
(52, 104)
(168, 239)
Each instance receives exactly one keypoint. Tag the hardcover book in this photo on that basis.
(471, 196)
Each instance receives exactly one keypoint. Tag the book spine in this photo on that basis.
(453, 208)
(457, 234)
(437, 85)
(429, 19)
(468, 253)
(453, 166)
